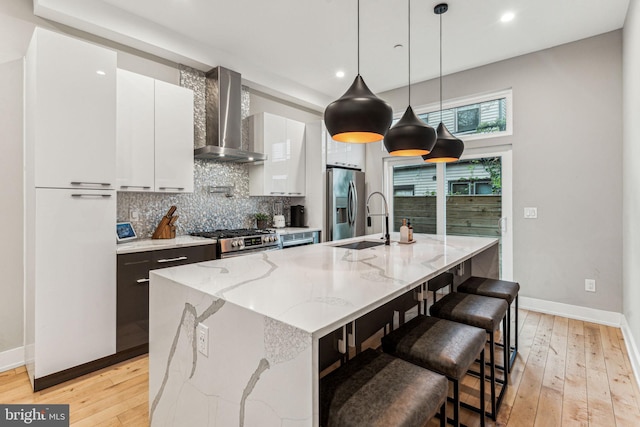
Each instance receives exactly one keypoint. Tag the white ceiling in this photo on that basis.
(296, 46)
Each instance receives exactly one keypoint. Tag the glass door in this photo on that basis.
(471, 197)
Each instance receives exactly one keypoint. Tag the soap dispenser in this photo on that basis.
(404, 232)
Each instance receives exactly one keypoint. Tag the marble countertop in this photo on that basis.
(317, 288)
(144, 245)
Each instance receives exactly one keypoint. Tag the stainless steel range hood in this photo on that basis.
(223, 100)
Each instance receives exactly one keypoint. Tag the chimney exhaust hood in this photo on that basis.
(223, 100)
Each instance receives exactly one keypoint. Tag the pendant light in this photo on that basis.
(410, 136)
(448, 148)
(358, 116)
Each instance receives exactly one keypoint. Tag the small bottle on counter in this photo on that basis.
(410, 230)
(404, 231)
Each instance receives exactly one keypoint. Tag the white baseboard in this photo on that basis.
(602, 317)
(11, 359)
(632, 349)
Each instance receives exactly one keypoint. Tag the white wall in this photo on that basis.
(567, 161)
(11, 178)
(631, 172)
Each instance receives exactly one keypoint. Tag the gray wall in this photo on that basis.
(631, 173)
(567, 160)
(11, 307)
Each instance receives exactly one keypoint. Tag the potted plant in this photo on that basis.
(262, 220)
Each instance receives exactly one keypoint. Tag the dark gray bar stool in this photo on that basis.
(481, 312)
(376, 389)
(496, 288)
(449, 348)
(435, 284)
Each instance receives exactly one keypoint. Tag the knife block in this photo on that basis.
(166, 229)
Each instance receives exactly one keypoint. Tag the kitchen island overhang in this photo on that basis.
(265, 314)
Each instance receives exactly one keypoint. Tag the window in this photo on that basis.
(468, 120)
(470, 187)
(403, 190)
(472, 117)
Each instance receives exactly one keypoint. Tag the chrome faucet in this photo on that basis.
(387, 239)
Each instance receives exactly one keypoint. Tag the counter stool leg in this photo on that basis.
(492, 369)
(443, 414)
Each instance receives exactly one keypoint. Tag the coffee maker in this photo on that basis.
(297, 216)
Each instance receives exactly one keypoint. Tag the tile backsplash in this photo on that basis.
(201, 210)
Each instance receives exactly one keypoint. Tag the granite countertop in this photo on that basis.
(144, 245)
(317, 288)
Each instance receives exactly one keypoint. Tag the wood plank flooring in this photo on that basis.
(567, 373)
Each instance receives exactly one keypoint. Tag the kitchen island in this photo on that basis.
(264, 315)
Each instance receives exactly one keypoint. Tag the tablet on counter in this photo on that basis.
(125, 232)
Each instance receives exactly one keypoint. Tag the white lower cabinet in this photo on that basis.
(71, 275)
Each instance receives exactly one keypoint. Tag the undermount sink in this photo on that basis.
(363, 244)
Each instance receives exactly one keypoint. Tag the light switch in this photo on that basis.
(531, 213)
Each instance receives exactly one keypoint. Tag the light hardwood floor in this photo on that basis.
(567, 373)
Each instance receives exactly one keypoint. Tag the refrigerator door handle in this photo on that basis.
(351, 204)
(354, 200)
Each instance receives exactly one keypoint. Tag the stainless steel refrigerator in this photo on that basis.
(345, 204)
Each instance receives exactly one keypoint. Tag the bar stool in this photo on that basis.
(495, 288)
(481, 312)
(435, 284)
(375, 389)
(449, 348)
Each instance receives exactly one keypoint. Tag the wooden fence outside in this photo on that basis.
(476, 215)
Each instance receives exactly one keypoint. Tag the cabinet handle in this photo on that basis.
(295, 193)
(104, 184)
(91, 195)
(169, 188)
(277, 192)
(180, 258)
(144, 187)
(142, 280)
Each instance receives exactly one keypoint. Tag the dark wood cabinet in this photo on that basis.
(132, 334)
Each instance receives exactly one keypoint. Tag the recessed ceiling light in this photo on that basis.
(101, 73)
(339, 74)
(398, 46)
(507, 17)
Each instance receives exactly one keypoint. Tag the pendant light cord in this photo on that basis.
(358, 37)
(409, 38)
(441, 68)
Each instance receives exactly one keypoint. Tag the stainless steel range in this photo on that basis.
(242, 241)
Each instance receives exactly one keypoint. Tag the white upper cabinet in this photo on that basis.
(283, 141)
(173, 138)
(344, 154)
(135, 132)
(155, 135)
(70, 105)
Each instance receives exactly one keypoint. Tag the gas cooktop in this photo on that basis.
(231, 234)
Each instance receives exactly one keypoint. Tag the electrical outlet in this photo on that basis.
(202, 335)
(589, 285)
(134, 215)
(531, 213)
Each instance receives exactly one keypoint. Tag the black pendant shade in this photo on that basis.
(358, 116)
(448, 148)
(410, 136)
